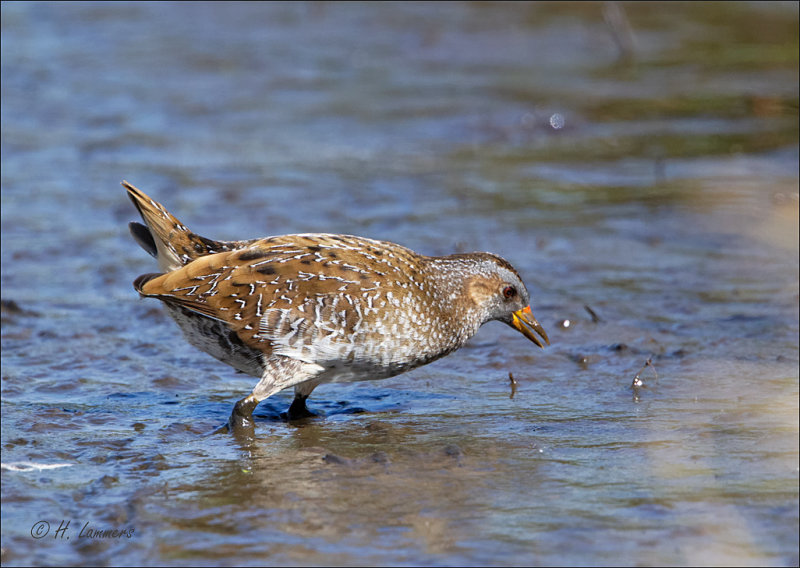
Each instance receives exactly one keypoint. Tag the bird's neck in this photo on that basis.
(451, 277)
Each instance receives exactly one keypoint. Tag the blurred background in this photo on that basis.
(637, 162)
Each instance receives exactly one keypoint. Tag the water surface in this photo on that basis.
(640, 160)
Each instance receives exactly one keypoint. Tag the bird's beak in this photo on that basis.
(524, 321)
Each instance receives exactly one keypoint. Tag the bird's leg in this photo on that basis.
(298, 409)
(279, 373)
(241, 419)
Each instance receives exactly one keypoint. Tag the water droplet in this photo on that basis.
(557, 121)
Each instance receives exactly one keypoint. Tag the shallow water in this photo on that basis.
(651, 177)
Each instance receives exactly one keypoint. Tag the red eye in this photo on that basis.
(509, 292)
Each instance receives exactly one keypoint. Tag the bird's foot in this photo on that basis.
(241, 422)
(298, 409)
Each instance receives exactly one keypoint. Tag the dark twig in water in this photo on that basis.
(595, 317)
(513, 384)
(637, 382)
(620, 27)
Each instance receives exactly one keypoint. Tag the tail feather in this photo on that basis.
(141, 234)
(165, 237)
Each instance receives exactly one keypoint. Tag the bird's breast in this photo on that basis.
(378, 330)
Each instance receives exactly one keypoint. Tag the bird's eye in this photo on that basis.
(509, 292)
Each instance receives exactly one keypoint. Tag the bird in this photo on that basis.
(301, 310)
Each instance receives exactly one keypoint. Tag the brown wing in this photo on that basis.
(221, 286)
(291, 279)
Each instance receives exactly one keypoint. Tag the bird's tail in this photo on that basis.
(166, 238)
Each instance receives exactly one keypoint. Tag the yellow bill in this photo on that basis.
(524, 321)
